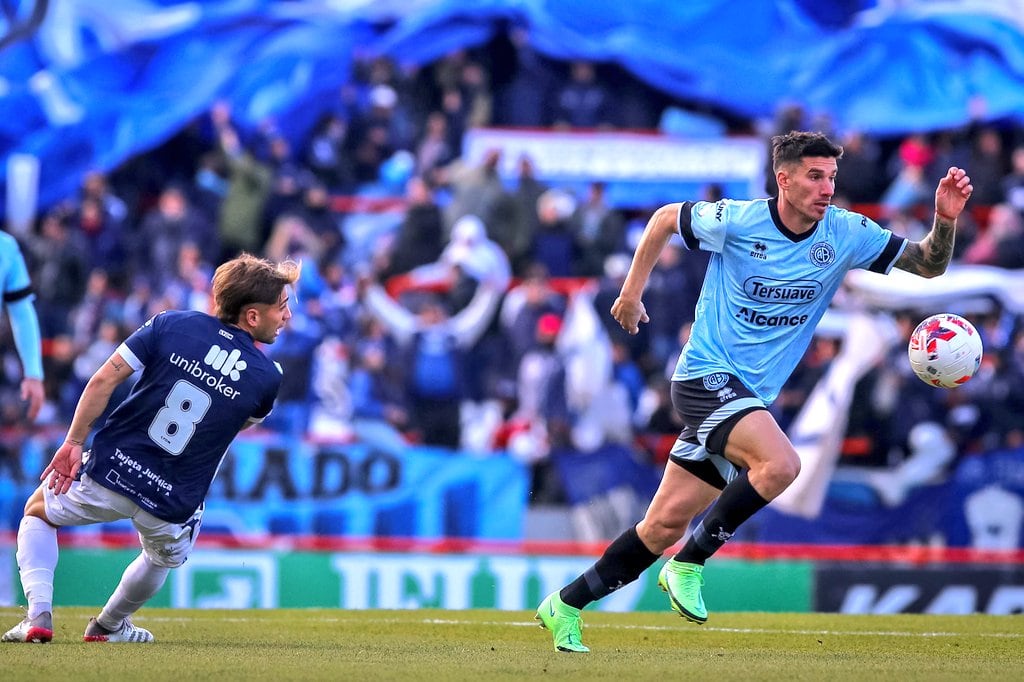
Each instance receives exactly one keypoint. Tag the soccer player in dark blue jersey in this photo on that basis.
(775, 266)
(203, 379)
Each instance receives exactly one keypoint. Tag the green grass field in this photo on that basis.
(502, 645)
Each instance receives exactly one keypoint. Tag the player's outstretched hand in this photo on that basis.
(629, 314)
(952, 193)
(63, 468)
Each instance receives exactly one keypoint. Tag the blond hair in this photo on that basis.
(248, 280)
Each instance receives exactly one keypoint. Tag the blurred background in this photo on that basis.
(465, 183)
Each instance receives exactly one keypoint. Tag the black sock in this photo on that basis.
(622, 563)
(738, 502)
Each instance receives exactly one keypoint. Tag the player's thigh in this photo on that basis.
(166, 543)
(85, 503)
(756, 439)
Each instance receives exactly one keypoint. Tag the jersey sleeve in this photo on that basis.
(16, 282)
(876, 248)
(140, 346)
(267, 404)
(702, 224)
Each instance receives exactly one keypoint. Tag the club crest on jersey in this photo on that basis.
(822, 254)
(713, 382)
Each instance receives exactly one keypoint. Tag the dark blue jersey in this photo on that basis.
(201, 382)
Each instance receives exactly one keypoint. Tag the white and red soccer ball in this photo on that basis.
(945, 350)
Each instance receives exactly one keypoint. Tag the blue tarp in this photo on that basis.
(105, 79)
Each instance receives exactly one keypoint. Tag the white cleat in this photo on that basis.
(38, 630)
(95, 632)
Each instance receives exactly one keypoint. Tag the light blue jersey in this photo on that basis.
(766, 287)
(17, 296)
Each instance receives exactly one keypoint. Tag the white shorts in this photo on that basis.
(87, 502)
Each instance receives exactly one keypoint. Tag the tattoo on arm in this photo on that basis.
(930, 256)
(118, 365)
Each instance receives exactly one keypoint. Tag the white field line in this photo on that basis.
(313, 616)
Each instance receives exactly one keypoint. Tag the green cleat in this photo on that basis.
(683, 581)
(564, 621)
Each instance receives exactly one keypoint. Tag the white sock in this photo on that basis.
(37, 559)
(140, 581)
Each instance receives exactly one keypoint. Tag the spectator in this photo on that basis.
(96, 188)
(59, 272)
(672, 293)
(862, 168)
(379, 414)
(469, 253)
(434, 150)
(338, 299)
(249, 184)
(524, 100)
(527, 193)
(209, 187)
(315, 211)
(325, 155)
(522, 308)
(377, 134)
(418, 240)
(99, 303)
(599, 230)
(1013, 184)
(435, 344)
(167, 228)
(103, 237)
(554, 244)
(1002, 243)
(988, 167)
(909, 186)
(475, 189)
(583, 102)
(542, 420)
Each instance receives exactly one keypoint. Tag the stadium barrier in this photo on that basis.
(451, 575)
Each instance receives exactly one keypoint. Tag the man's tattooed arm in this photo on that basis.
(930, 256)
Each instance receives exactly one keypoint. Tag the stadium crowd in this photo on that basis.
(472, 314)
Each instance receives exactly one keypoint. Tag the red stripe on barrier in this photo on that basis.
(739, 550)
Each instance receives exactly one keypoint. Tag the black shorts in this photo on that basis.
(710, 407)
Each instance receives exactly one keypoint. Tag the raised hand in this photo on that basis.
(952, 193)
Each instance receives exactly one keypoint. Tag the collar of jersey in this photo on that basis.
(773, 208)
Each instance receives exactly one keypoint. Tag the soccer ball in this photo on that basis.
(945, 350)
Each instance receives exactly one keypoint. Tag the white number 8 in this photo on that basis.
(175, 423)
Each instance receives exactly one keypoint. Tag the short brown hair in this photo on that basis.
(796, 145)
(248, 280)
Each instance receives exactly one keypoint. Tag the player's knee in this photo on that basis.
(783, 470)
(167, 556)
(658, 534)
(36, 506)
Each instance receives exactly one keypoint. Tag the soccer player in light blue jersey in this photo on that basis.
(203, 379)
(17, 294)
(775, 265)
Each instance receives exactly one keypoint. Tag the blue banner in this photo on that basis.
(101, 80)
(285, 486)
